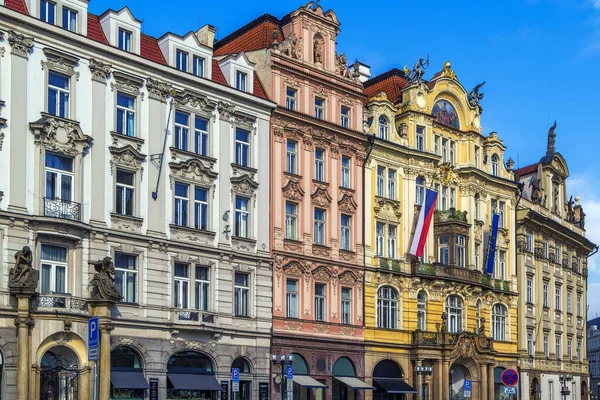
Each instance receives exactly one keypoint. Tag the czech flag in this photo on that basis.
(423, 223)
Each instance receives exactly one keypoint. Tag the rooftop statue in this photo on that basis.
(475, 97)
(416, 75)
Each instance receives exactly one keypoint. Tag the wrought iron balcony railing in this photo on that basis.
(64, 209)
(194, 316)
(65, 302)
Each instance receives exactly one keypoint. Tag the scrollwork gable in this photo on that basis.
(293, 190)
(194, 101)
(60, 135)
(243, 185)
(347, 204)
(321, 197)
(127, 157)
(127, 83)
(60, 62)
(192, 171)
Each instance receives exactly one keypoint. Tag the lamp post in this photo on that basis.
(423, 370)
(284, 360)
(563, 379)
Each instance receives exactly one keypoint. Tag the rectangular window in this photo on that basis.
(181, 285)
(290, 98)
(436, 145)
(558, 253)
(319, 108)
(529, 239)
(530, 290)
(181, 204)
(124, 40)
(557, 291)
(126, 276)
(476, 156)
(319, 226)
(242, 295)
(201, 208)
(461, 259)
(444, 249)
(420, 138)
(182, 129)
(242, 147)
(444, 198)
(558, 347)
(569, 302)
(444, 151)
(345, 232)
(242, 217)
(181, 60)
(570, 349)
(54, 269)
(477, 255)
(320, 302)
(125, 192)
(570, 260)
(291, 298)
(345, 117)
(545, 249)
(240, 81)
(381, 181)
(501, 265)
(501, 219)
(198, 66)
(452, 198)
(346, 306)
(546, 346)
(550, 390)
(291, 156)
(392, 184)
(58, 94)
(201, 136)
(47, 11)
(530, 347)
(291, 218)
(392, 241)
(59, 177)
(69, 19)
(380, 238)
(202, 288)
(320, 165)
(346, 172)
(545, 294)
(578, 305)
(125, 114)
(579, 351)
(452, 153)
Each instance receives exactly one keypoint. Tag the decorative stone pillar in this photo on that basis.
(439, 380)
(490, 377)
(101, 309)
(445, 380)
(23, 324)
(83, 389)
(484, 383)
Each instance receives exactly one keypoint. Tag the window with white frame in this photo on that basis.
(545, 249)
(181, 204)
(126, 276)
(530, 346)
(579, 304)
(529, 238)
(569, 349)
(291, 156)
(69, 19)
(452, 198)
(444, 151)
(346, 172)
(346, 305)
(420, 138)
(461, 257)
(420, 191)
(182, 129)
(201, 136)
(392, 241)
(381, 181)
(501, 219)
(495, 165)
(291, 298)
(501, 266)
(125, 40)
(59, 177)
(53, 260)
(499, 322)
(58, 94)
(558, 253)
(319, 226)
(291, 220)
(320, 300)
(444, 249)
(436, 145)
(579, 351)
(476, 208)
(391, 184)
(345, 117)
(444, 198)
(550, 390)
(546, 345)
(181, 60)
(387, 308)
(198, 66)
(545, 294)
(181, 285)
(477, 257)
(201, 208)
(242, 147)
(202, 287)
(478, 316)
(241, 79)
(125, 114)
(319, 108)
(454, 314)
(530, 290)
(452, 153)
(345, 232)
(422, 311)
(380, 238)
(291, 96)
(242, 295)
(570, 260)
(242, 217)
(557, 344)
(125, 192)
(383, 128)
(557, 297)
(476, 158)
(320, 165)
(569, 302)
(47, 11)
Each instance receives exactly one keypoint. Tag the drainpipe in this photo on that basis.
(369, 149)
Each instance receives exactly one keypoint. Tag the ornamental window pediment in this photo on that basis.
(127, 157)
(387, 210)
(295, 269)
(323, 273)
(347, 204)
(195, 102)
(60, 62)
(193, 172)
(243, 185)
(127, 83)
(349, 278)
(60, 135)
(293, 189)
(321, 197)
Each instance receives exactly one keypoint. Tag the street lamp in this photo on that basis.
(284, 360)
(423, 370)
(563, 379)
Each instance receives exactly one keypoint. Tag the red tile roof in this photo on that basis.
(149, 49)
(255, 35)
(17, 5)
(390, 82)
(217, 74)
(527, 170)
(95, 31)
(259, 90)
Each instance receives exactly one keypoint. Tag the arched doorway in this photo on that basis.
(388, 382)
(534, 392)
(126, 374)
(584, 390)
(303, 383)
(191, 375)
(458, 375)
(345, 383)
(58, 374)
(245, 384)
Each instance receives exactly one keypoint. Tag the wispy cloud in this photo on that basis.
(596, 4)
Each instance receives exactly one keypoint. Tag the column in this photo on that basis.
(83, 391)
(101, 309)
(445, 379)
(419, 383)
(490, 377)
(483, 383)
(23, 323)
(439, 381)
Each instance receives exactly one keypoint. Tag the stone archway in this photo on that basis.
(58, 374)
(458, 374)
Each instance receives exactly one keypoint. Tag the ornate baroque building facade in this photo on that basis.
(88, 172)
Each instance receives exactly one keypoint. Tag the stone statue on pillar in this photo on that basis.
(23, 276)
(444, 327)
(103, 282)
(481, 326)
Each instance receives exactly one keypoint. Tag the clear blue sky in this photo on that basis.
(539, 59)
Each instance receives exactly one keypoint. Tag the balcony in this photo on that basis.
(424, 338)
(64, 303)
(451, 216)
(63, 209)
(193, 317)
(387, 263)
(460, 274)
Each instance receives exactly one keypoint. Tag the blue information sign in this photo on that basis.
(468, 385)
(235, 374)
(290, 372)
(93, 332)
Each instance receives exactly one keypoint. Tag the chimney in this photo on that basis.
(206, 35)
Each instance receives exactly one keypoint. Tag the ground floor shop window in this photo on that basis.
(190, 376)
(126, 375)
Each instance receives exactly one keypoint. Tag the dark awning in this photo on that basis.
(194, 382)
(394, 385)
(308, 382)
(128, 380)
(354, 383)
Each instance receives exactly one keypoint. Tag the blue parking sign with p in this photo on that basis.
(467, 385)
(235, 374)
(290, 372)
(93, 332)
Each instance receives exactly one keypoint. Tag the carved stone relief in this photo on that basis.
(60, 135)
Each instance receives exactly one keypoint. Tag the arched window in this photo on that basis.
(191, 374)
(420, 190)
(495, 165)
(499, 322)
(343, 367)
(299, 365)
(383, 128)
(454, 313)
(422, 311)
(242, 365)
(126, 374)
(387, 308)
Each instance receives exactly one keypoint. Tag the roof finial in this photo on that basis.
(551, 139)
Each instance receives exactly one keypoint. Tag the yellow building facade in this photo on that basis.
(440, 311)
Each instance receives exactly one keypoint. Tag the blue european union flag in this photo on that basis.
(489, 269)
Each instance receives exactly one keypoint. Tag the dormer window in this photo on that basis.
(69, 19)
(182, 60)
(240, 81)
(124, 40)
(47, 11)
(198, 68)
(495, 165)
